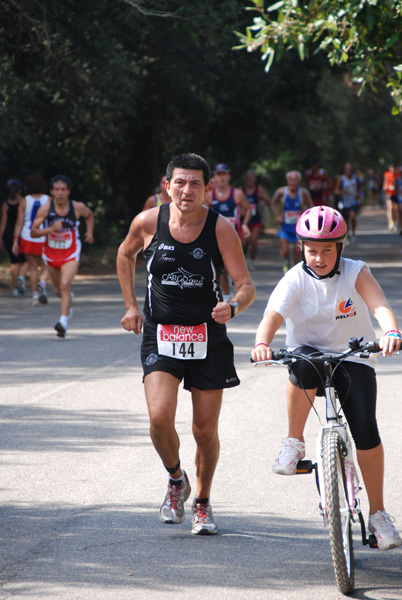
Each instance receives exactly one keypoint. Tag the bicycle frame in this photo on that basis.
(334, 422)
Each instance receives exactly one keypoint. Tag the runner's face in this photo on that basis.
(60, 192)
(222, 179)
(293, 183)
(320, 257)
(250, 179)
(187, 189)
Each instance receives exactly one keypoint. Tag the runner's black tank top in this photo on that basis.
(183, 279)
(69, 220)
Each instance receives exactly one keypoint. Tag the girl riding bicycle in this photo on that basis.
(324, 300)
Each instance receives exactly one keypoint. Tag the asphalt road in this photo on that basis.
(81, 485)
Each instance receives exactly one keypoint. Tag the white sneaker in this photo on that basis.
(291, 452)
(203, 521)
(21, 284)
(41, 290)
(172, 509)
(382, 525)
(15, 292)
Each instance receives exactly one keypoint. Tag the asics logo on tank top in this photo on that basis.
(165, 247)
(183, 279)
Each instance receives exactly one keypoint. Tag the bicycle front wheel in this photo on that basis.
(338, 512)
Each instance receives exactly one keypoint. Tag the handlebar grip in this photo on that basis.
(278, 354)
(372, 347)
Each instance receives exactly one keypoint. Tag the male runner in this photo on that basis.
(186, 246)
(60, 218)
(231, 203)
(288, 204)
(318, 182)
(256, 196)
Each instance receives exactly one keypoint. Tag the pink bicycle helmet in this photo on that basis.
(321, 224)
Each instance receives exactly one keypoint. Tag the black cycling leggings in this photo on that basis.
(356, 384)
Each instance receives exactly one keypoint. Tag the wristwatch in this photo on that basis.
(234, 308)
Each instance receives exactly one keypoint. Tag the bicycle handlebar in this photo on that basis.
(356, 348)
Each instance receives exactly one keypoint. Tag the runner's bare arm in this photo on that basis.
(276, 201)
(3, 221)
(81, 210)
(39, 220)
(233, 258)
(307, 201)
(263, 195)
(246, 210)
(18, 227)
(139, 236)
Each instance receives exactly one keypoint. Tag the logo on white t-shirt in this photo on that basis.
(345, 309)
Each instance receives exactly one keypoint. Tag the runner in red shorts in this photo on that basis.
(61, 253)
(35, 197)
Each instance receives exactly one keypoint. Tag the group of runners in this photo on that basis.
(187, 246)
(40, 233)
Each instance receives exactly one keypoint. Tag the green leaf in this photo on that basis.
(391, 41)
(270, 60)
(275, 6)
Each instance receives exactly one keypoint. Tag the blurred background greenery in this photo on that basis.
(107, 91)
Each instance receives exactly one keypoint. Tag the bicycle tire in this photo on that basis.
(338, 512)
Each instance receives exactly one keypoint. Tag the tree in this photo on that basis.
(365, 35)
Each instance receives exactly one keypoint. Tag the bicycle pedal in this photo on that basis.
(372, 541)
(304, 466)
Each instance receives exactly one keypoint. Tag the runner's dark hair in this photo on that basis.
(62, 178)
(189, 161)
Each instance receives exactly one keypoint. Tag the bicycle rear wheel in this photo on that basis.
(338, 512)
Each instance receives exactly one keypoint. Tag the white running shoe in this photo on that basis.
(21, 284)
(172, 509)
(291, 452)
(203, 521)
(15, 292)
(382, 525)
(41, 289)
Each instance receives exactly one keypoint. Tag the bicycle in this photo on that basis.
(335, 473)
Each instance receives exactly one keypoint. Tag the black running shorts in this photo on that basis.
(215, 372)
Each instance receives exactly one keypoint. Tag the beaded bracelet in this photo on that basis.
(394, 333)
(261, 344)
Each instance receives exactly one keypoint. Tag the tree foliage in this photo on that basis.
(366, 35)
(107, 91)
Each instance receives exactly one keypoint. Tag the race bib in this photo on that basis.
(185, 342)
(253, 209)
(291, 216)
(60, 240)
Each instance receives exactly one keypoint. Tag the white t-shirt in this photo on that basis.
(323, 313)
